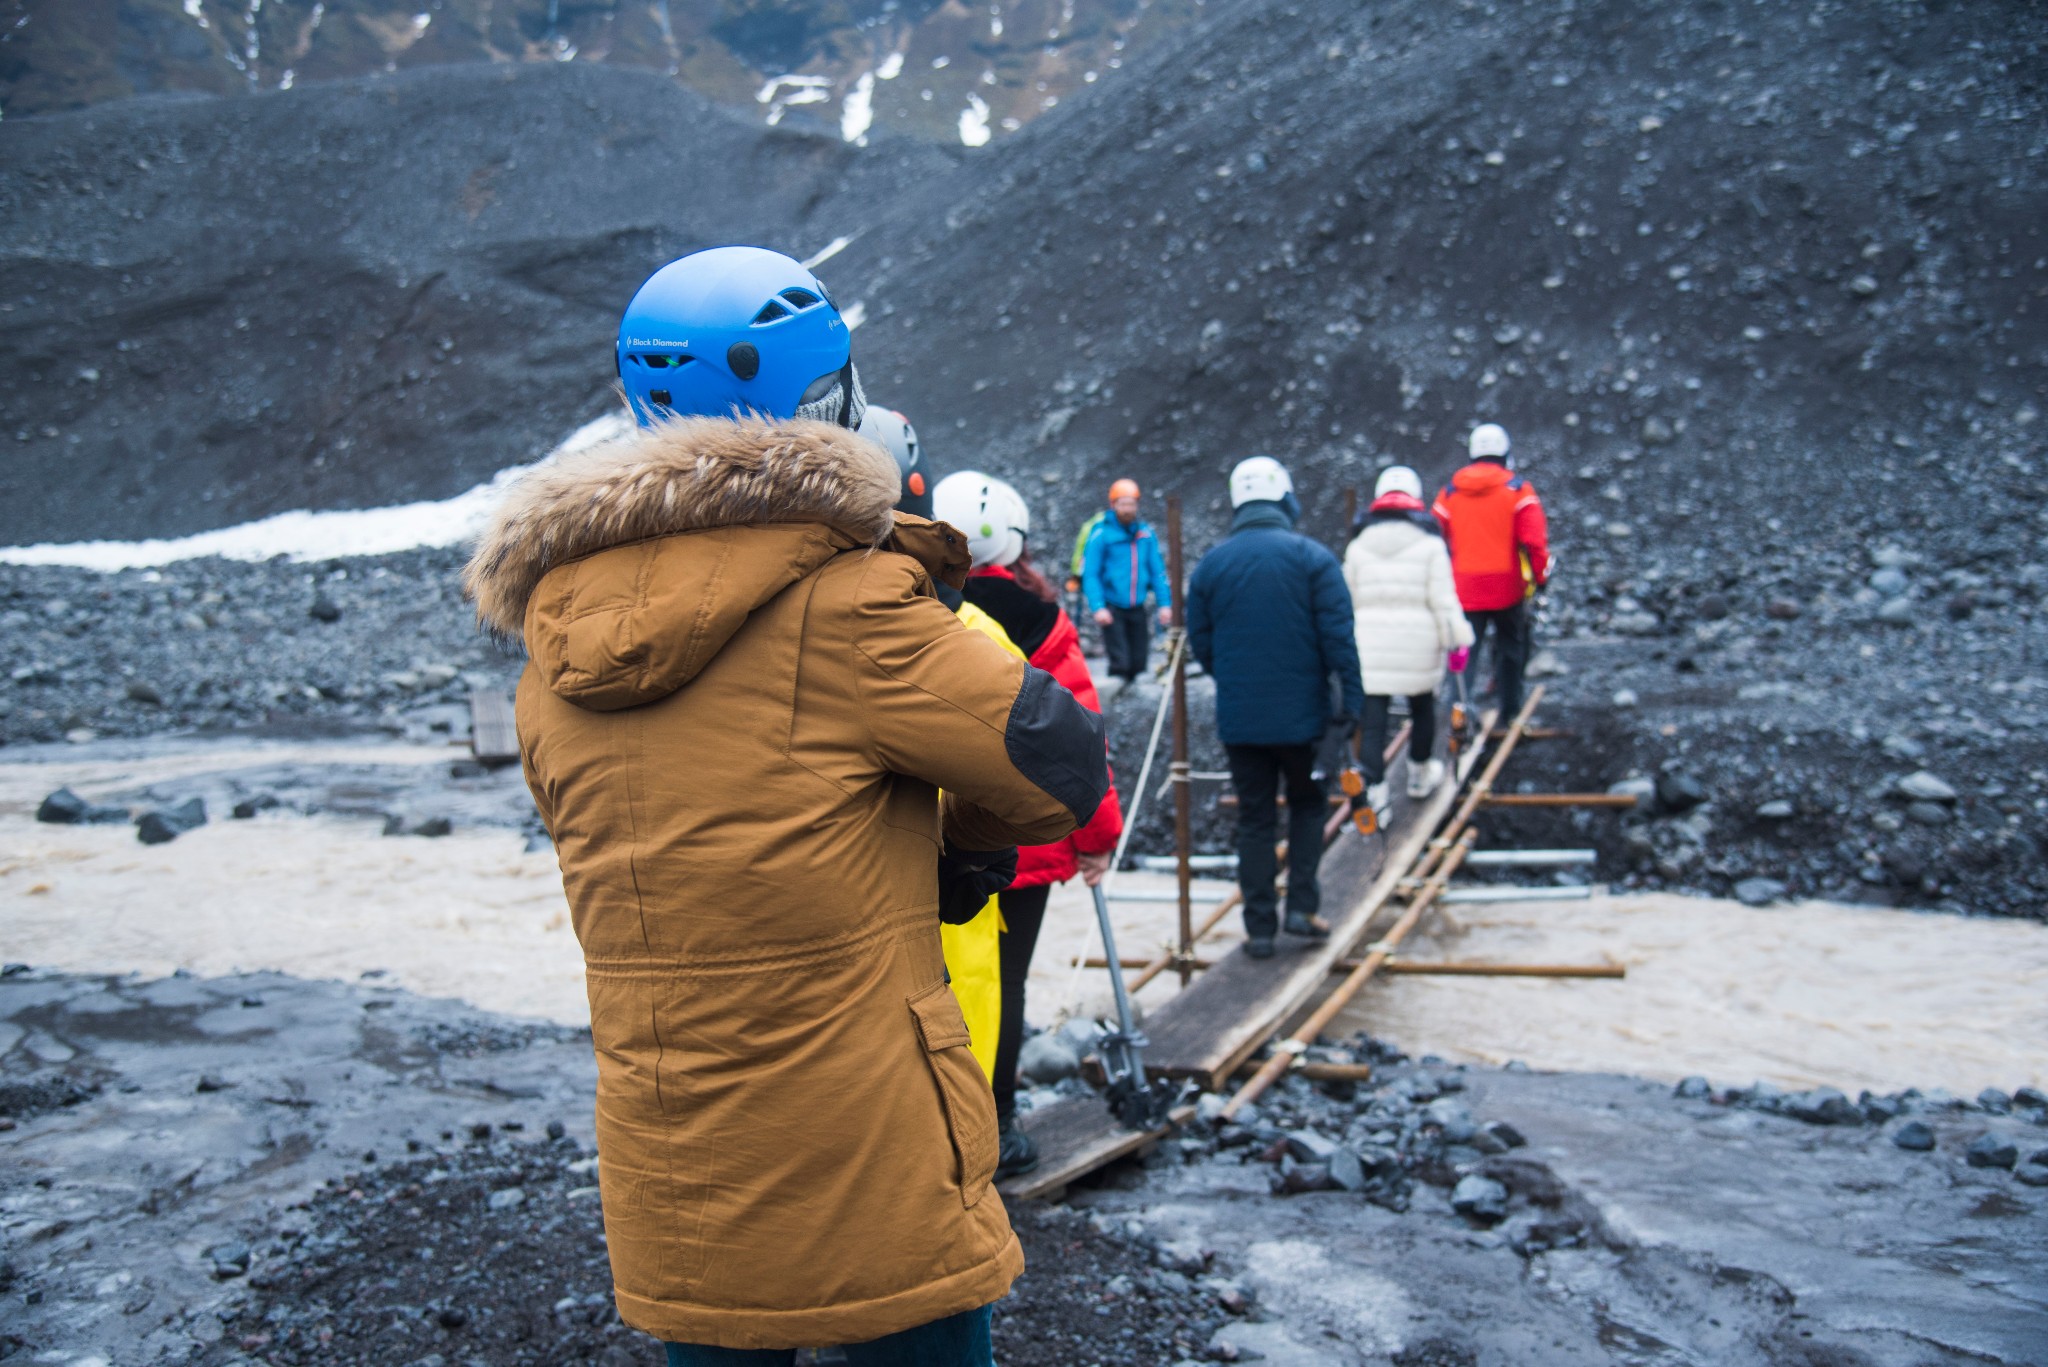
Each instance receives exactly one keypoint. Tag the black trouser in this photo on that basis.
(1372, 732)
(1127, 640)
(1256, 771)
(1023, 913)
(1510, 628)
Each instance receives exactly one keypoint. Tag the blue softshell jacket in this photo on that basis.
(1268, 615)
(1121, 564)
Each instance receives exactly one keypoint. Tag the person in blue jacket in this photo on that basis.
(1119, 565)
(1270, 618)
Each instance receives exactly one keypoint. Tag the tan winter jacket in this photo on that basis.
(1405, 613)
(736, 719)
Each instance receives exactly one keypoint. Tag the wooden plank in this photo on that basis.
(493, 736)
(1217, 1022)
(1075, 1137)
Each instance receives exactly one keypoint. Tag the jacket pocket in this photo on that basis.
(963, 1090)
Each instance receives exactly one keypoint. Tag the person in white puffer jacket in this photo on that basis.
(1408, 626)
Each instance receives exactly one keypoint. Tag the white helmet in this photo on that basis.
(1489, 441)
(987, 510)
(1398, 479)
(1259, 479)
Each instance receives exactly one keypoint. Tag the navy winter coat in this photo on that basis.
(1269, 616)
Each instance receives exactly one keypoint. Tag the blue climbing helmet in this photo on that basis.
(736, 330)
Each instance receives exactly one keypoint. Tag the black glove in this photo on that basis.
(968, 878)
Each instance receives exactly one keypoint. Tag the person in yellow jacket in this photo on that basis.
(974, 948)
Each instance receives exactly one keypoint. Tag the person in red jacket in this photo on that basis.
(1500, 553)
(1005, 585)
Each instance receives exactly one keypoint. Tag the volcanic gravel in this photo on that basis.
(495, 1252)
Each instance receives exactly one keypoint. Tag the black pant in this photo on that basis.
(1372, 732)
(1023, 913)
(1256, 771)
(1510, 628)
(1127, 640)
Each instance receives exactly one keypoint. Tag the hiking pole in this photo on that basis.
(1133, 1100)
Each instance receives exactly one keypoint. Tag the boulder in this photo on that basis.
(1680, 792)
(66, 808)
(1991, 1150)
(1759, 892)
(2034, 1172)
(1047, 1058)
(1480, 1199)
(1694, 1088)
(166, 824)
(1916, 1136)
(1922, 786)
(1823, 1106)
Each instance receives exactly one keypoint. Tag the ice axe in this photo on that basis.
(1135, 1101)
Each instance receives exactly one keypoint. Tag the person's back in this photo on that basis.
(1268, 616)
(1259, 591)
(1500, 552)
(741, 702)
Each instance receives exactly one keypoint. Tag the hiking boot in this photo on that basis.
(1017, 1153)
(1306, 926)
(1424, 778)
(1259, 947)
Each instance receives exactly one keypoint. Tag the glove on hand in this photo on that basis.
(1459, 658)
(968, 878)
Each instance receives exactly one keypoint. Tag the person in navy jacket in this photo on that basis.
(1269, 617)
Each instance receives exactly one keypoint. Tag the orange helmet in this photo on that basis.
(1123, 488)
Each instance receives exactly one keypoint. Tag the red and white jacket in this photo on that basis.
(1047, 636)
(1499, 538)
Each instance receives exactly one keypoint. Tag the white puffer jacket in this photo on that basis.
(1406, 606)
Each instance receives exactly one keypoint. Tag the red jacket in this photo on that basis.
(1499, 539)
(1058, 654)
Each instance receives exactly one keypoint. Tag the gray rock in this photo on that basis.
(1929, 813)
(66, 808)
(166, 824)
(1454, 1120)
(1680, 792)
(2034, 1172)
(1782, 610)
(1991, 1150)
(2030, 1099)
(1656, 431)
(1922, 786)
(1712, 608)
(1480, 1198)
(228, 1259)
(1902, 747)
(1047, 1058)
(507, 1198)
(1694, 1088)
(1346, 1170)
(1896, 612)
(144, 692)
(1311, 1147)
(1823, 1106)
(1640, 788)
(1890, 581)
(1994, 1101)
(324, 609)
(1759, 892)
(1507, 1135)
(1294, 1178)
(1777, 809)
(1914, 1135)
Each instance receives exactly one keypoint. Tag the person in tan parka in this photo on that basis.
(742, 701)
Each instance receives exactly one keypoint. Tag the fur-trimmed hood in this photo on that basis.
(685, 476)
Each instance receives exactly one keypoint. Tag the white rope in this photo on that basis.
(1116, 863)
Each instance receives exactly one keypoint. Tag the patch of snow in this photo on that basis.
(196, 10)
(857, 114)
(941, 63)
(891, 67)
(284, 82)
(832, 249)
(974, 122)
(307, 535)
